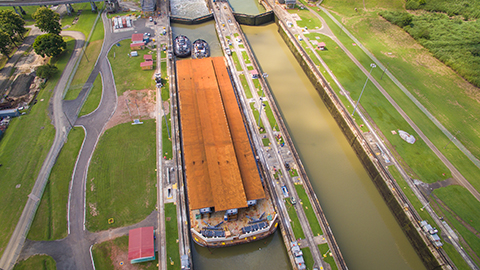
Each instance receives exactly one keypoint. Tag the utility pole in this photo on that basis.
(356, 105)
(384, 70)
(454, 138)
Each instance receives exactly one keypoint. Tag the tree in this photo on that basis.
(49, 45)
(5, 43)
(12, 24)
(46, 71)
(47, 20)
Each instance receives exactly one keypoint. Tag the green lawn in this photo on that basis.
(23, 149)
(85, 21)
(50, 221)
(40, 262)
(30, 10)
(266, 141)
(166, 85)
(126, 70)
(245, 57)
(87, 63)
(94, 98)
(307, 256)
(103, 253)
(245, 86)
(324, 249)
(294, 222)
(293, 173)
(307, 207)
(121, 177)
(271, 117)
(166, 140)
(277, 174)
(171, 229)
(258, 87)
(257, 118)
(307, 19)
(238, 67)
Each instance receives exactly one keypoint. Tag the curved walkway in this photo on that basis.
(62, 128)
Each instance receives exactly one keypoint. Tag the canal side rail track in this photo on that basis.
(441, 256)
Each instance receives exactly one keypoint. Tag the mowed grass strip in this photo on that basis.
(171, 229)
(42, 262)
(294, 221)
(85, 20)
(118, 250)
(94, 98)
(166, 137)
(238, 67)
(258, 120)
(126, 70)
(50, 221)
(87, 63)
(307, 207)
(324, 250)
(307, 256)
(121, 177)
(271, 117)
(245, 86)
(23, 149)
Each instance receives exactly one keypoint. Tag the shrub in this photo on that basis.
(46, 71)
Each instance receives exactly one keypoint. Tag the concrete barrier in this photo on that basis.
(189, 21)
(379, 175)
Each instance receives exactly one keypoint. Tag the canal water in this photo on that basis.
(246, 7)
(365, 229)
(188, 8)
(205, 31)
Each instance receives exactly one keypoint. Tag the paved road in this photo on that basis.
(62, 128)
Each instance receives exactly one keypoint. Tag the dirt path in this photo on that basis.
(138, 104)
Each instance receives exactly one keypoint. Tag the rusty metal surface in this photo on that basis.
(213, 174)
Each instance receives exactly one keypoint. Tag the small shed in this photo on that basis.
(254, 74)
(321, 46)
(134, 53)
(147, 65)
(141, 245)
(148, 57)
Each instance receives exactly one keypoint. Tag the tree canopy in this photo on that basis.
(5, 43)
(13, 25)
(47, 20)
(46, 71)
(49, 45)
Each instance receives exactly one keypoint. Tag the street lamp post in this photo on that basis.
(454, 138)
(372, 65)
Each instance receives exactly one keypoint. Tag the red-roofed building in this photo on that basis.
(321, 46)
(137, 42)
(141, 245)
(147, 57)
(146, 65)
(137, 38)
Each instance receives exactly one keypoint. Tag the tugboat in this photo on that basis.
(182, 46)
(200, 49)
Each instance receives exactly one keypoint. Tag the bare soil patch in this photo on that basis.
(137, 104)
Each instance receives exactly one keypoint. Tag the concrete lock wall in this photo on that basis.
(377, 173)
(254, 20)
(198, 20)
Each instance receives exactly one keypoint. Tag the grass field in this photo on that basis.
(257, 118)
(294, 221)
(88, 60)
(171, 230)
(266, 141)
(307, 256)
(245, 57)
(166, 84)
(39, 262)
(23, 149)
(126, 70)
(328, 259)
(50, 221)
(85, 20)
(238, 67)
(271, 117)
(94, 98)
(103, 253)
(307, 207)
(166, 138)
(245, 86)
(307, 19)
(121, 177)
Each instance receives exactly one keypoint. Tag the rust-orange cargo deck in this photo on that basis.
(219, 163)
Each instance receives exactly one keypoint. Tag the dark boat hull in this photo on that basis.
(182, 46)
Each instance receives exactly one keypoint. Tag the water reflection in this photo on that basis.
(188, 8)
(246, 7)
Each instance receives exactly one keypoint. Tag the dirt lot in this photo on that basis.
(141, 105)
